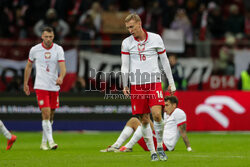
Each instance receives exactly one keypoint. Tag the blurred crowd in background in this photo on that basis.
(199, 19)
(212, 28)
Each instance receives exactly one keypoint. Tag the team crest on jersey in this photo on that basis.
(47, 55)
(141, 47)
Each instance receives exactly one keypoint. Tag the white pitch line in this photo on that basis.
(207, 156)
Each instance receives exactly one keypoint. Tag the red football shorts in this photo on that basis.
(142, 143)
(47, 99)
(143, 97)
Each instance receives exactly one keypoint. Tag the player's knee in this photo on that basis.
(170, 148)
(46, 116)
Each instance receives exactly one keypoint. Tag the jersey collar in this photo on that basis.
(49, 47)
(146, 36)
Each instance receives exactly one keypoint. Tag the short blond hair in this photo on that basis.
(133, 16)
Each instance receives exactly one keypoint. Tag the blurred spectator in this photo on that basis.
(247, 24)
(225, 64)
(235, 22)
(182, 22)
(90, 24)
(168, 14)
(7, 19)
(200, 21)
(216, 24)
(191, 7)
(95, 13)
(178, 72)
(36, 10)
(136, 6)
(244, 81)
(61, 28)
(153, 17)
(87, 31)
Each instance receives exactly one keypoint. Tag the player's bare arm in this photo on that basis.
(182, 129)
(27, 73)
(62, 67)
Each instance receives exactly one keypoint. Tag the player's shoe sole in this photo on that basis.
(110, 149)
(10, 142)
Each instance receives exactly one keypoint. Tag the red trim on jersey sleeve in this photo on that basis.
(30, 60)
(125, 53)
(47, 48)
(162, 52)
(181, 123)
(61, 60)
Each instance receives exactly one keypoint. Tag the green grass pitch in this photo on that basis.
(82, 149)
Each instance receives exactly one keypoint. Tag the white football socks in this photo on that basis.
(4, 130)
(47, 130)
(44, 138)
(135, 138)
(148, 137)
(158, 126)
(126, 133)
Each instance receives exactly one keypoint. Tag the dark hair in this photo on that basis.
(48, 29)
(172, 99)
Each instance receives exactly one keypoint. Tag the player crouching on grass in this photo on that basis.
(10, 137)
(174, 127)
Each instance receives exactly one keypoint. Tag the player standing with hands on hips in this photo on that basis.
(139, 54)
(46, 56)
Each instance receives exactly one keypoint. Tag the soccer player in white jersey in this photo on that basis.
(140, 53)
(10, 137)
(174, 127)
(46, 56)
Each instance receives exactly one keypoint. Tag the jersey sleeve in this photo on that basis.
(180, 117)
(31, 55)
(165, 62)
(160, 45)
(60, 56)
(124, 48)
(125, 63)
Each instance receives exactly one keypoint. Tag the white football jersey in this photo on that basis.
(143, 64)
(46, 62)
(171, 133)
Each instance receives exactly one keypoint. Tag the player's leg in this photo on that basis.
(44, 138)
(158, 123)
(170, 138)
(148, 135)
(136, 136)
(54, 103)
(127, 131)
(156, 103)
(10, 138)
(47, 129)
(5, 131)
(158, 127)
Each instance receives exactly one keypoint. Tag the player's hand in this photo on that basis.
(26, 89)
(171, 89)
(59, 81)
(126, 91)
